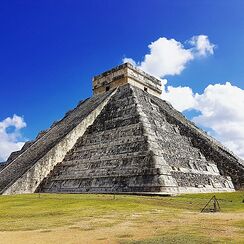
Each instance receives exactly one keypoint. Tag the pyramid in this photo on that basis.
(124, 139)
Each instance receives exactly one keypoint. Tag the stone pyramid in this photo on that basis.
(124, 139)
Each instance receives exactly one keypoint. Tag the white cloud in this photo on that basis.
(221, 107)
(201, 45)
(170, 57)
(10, 136)
(182, 98)
(129, 60)
(167, 57)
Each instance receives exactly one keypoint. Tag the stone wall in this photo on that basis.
(2, 165)
(122, 141)
(112, 156)
(27, 170)
(126, 74)
(228, 164)
(186, 167)
(137, 145)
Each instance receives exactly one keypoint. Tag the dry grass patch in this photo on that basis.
(127, 219)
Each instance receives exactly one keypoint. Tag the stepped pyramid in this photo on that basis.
(124, 139)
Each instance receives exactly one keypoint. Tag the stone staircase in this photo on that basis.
(123, 141)
(134, 145)
(112, 156)
(27, 158)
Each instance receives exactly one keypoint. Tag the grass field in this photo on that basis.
(75, 218)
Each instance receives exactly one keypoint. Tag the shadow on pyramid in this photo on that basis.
(124, 139)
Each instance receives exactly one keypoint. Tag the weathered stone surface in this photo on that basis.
(112, 156)
(215, 153)
(2, 165)
(124, 140)
(126, 74)
(140, 144)
(27, 169)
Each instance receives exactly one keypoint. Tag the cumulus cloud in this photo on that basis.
(201, 45)
(166, 57)
(10, 135)
(220, 105)
(221, 110)
(170, 57)
(182, 98)
(129, 60)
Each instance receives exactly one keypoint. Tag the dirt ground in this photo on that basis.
(216, 227)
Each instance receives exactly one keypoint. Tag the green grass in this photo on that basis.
(178, 238)
(229, 202)
(175, 219)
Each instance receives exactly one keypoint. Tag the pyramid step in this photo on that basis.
(98, 152)
(112, 134)
(48, 145)
(100, 173)
(109, 144)
(136, 162)
(107, 158)
(135, 145)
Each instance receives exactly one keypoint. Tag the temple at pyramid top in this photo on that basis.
(126, 74)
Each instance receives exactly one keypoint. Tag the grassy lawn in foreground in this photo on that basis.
(128, 219)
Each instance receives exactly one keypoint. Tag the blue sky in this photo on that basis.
(49, 50)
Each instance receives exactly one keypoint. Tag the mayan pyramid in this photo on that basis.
(124, 139)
